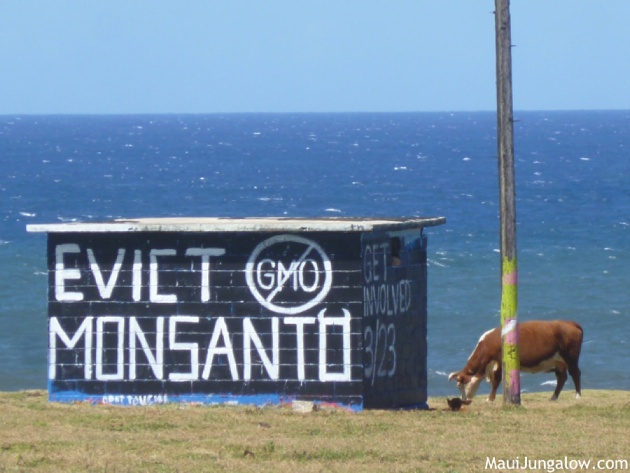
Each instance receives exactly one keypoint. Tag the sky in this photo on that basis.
(235, 56)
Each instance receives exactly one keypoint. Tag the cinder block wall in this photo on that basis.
(238, 317)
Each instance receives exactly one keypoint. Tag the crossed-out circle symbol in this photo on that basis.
(267, 278)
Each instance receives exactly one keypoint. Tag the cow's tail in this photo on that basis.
(574, 324)
(578, 339)
(579, 327)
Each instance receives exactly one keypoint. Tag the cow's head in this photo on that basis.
(467, 383)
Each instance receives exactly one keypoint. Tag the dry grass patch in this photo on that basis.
(46, 437)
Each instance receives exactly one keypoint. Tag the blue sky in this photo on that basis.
(193, 56)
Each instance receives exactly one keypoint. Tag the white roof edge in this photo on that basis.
(254, 224)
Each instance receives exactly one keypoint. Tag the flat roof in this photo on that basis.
(252, 224)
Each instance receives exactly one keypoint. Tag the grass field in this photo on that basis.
(45, 437)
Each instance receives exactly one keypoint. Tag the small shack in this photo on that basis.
(241, 311)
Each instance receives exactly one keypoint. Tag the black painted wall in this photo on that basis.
(395, 319)
(255, 317)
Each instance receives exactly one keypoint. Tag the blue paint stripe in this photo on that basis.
(205, 399)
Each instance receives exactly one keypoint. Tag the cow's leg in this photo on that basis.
(495, 380)
(576, 374)
(561, 377)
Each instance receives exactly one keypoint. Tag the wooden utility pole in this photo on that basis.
(507, 203)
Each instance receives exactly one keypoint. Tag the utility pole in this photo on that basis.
(507, 202)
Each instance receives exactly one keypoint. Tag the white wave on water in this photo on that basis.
(433, 262)
(269, 199)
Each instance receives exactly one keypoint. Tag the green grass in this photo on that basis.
(46, 437)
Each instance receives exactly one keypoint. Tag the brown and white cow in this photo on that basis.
(545, 346)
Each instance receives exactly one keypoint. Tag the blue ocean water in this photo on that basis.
(573, 209)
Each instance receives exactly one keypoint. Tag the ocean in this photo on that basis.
(572, 190)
